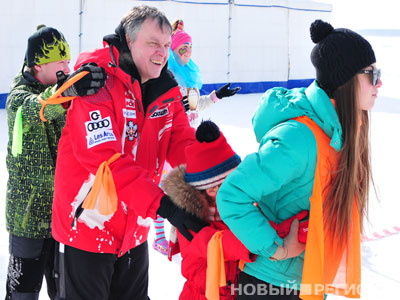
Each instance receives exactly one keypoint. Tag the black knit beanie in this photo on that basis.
(46, 45)
(338, 54)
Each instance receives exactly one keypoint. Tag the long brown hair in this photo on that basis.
(353, 174)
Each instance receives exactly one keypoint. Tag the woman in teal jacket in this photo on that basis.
(279, 178)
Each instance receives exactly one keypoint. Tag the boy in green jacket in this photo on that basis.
(31, 159)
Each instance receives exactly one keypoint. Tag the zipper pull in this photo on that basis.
(78, 212)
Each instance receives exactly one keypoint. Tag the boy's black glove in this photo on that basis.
(178, 217)
(88, 85)
(225, 91)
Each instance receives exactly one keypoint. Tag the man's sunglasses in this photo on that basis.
(376, 74)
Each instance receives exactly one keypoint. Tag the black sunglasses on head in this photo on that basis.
(376, 74)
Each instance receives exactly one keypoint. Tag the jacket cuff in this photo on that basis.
(152, 212)
(272, 249)
(214, 97)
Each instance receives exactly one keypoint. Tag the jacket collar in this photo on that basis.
(152, 88)
(125, 61)
(184, 195)
(27, 78)
(327, 116)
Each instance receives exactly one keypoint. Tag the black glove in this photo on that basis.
(178, 217)
(88, 85)
(225, 91)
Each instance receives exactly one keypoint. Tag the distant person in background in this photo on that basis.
(189, 79)
(31, 159)
(313, 155)
(214, 251)
(188, 75)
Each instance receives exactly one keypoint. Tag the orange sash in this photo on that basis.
(103, 189)
(215, 274)
(330, 267)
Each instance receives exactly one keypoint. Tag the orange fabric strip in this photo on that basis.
(330, 267)
(103, 190)
(56, 98)
(241, 264)
(215, 274)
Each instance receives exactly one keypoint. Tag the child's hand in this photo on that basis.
(180, 218)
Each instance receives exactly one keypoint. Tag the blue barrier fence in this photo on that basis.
(247, 87)
(257, 87)
(3, 98)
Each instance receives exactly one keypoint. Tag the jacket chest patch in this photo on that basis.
(98, 129)
(129, 113)
(159, 113)
(131, 130)
(129, 99)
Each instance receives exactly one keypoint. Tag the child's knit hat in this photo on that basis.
(180, 37)
(210, 158)
(46, 45)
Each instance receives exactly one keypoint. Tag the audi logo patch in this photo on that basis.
(98, 129)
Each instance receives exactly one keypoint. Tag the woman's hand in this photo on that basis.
(291, 245)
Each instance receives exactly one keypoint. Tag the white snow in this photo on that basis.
(380, 258)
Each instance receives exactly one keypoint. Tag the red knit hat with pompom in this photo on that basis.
(210, 159)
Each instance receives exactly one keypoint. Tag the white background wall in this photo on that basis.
(268, 37)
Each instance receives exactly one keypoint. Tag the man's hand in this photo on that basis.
(225, 91)
(88, 85)
(178, 217)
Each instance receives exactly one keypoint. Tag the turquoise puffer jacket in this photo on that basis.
(279, 177)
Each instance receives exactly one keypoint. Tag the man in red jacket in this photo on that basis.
(110, 158)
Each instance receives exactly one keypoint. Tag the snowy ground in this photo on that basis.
(380, 263)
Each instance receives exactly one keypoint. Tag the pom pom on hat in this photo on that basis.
(46, 45)
(40, 26)
(207, 132)
(338, 54)
(210, 158)
(320, 30)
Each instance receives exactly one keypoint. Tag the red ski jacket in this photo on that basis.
(194, 262)
(195, 253)
(99, 126)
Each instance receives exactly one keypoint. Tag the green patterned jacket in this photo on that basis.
(30, 184)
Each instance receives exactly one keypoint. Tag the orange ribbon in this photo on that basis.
(56, 98)
(103, 189)
(215, 274)
(330, 266)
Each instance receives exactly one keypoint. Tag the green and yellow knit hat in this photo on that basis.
(46, 45)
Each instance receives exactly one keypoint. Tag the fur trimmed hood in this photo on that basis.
(184, 195)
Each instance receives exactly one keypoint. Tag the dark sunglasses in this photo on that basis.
(376, 74)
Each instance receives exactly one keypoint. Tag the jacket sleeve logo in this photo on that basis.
(98, 130)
